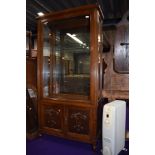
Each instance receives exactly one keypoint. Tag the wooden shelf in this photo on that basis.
(115, 94)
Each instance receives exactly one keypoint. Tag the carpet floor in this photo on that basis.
(51, 145)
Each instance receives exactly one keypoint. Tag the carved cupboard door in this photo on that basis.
(78, 122)
(121, 49)
(53, 117)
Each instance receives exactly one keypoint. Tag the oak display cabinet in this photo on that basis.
(70, 45)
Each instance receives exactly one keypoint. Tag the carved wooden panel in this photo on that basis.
(121, 51)
(52, 116)
(116, 85)
(78, 121)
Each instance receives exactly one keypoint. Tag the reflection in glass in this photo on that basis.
(66, 57)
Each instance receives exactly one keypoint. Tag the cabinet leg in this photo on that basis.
(32, 135)
(39, 133)
(94, 146)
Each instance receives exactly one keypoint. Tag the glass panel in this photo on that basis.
(46, 61)
(27, 42)
(28, 37)
(66, 58)
(100, 50)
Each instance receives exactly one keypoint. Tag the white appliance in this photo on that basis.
(113, 127)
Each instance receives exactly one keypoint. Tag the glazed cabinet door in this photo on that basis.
(52, 118)
(78, 122)
(66, 59)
